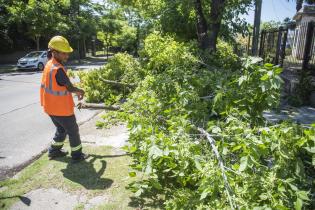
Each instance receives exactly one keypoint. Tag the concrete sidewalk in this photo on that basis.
(61, 199)
(17, 154)
(302, 115)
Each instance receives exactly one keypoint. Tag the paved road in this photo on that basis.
(25, 130)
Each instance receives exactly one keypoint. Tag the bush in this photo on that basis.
(266, 166)
(252, 90)
(178, 163)
(122, 68)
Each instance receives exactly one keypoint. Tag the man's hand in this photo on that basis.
(80, 94)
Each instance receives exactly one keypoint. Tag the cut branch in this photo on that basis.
(209, 97)
(222, 167)
(111, 82)
(84, 105)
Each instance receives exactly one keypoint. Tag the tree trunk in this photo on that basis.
(202, 29)
(84, 48)
(37, 42)
(79, 49)
(137, 40)
(216, 15)
(93, 47)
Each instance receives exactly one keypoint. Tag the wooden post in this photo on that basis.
(262, 43)
(308, 45)
(283, 46)
(278, 45)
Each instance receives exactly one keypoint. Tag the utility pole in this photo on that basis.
(258, 5)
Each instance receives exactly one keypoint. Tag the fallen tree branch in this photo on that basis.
(222, 167)
(112, 82)
(84, 105)
(208, 97)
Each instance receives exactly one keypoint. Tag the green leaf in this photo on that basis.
(216, 130)
(298, 204)
(268, 65)
(139, 192)
(278, 70)
(263, 196)
(236, 148)
(241, 80)
(132, 174)
(310, 149)
(265, 77)
(293, 187)
(155, 152)
(204, 194)
(198, 166)
(303, 195)
(155, 184)
(243, 164)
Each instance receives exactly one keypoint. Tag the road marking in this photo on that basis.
(8, 80)
(18, 108)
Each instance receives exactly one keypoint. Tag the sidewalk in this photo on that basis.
(303, 115)
(15, 158)
(98, 183)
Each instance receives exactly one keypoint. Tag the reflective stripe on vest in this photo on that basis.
(49, 90)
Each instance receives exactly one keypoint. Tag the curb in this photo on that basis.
(7, 173)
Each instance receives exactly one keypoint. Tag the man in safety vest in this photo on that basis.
(56, 99)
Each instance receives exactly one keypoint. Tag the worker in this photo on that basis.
(56, 100)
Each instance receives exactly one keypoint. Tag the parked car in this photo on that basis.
(33, 60)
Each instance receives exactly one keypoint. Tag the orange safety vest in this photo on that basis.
(55, 99)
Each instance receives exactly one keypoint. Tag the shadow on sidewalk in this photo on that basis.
(85, 174)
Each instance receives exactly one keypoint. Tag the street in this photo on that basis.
(25, 130)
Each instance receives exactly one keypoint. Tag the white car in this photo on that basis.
(33, 60)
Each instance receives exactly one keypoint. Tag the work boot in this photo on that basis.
(79, 157)
(56, 153)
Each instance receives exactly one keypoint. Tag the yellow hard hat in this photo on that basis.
(60, 44)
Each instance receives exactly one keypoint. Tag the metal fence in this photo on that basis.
(291, 46)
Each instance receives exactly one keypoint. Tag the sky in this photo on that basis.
(276, 10)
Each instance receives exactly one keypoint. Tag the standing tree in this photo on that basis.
(205, 20)
(110, 25)
(40, 17)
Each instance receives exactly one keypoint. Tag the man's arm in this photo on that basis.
(63, 80)
(79, 92)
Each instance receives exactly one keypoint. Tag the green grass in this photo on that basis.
(104, 173)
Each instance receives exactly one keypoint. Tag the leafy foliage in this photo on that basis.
(122, 68)
(251, 93)
(267, 166)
